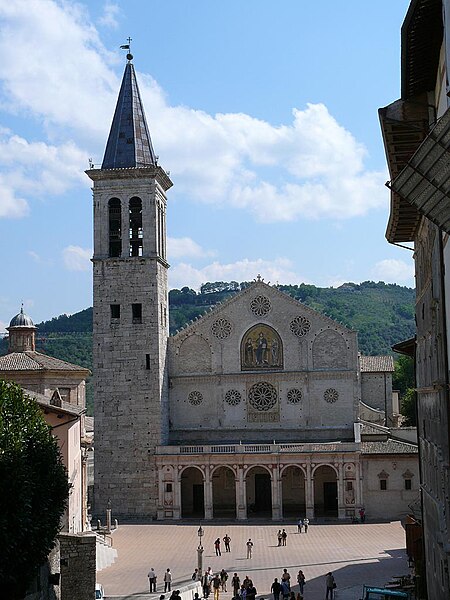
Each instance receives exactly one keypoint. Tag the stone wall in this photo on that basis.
(78, 566)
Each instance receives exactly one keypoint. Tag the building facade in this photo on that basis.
(251, 410)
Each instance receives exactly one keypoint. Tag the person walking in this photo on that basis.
(306, 524)
(299, 526)
(279, 537)
(223, 580)
(167, 580)
(301, 581)
(285, 590)
(152, 580)
(251, 591)
(287, 578)
(195, 575)
(362, 514)
(236, 583)
(331, 586)
(217, 547)
(284, 536)
(226, 541)
(206, 584)
(216, 586)
(249, 548)
(275, 588)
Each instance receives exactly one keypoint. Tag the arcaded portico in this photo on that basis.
(259, 480)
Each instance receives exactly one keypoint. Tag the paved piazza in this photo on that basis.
(356, 554)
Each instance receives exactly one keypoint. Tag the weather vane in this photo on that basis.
(128, 47)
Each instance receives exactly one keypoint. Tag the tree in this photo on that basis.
(408, 408)
(34, 490)
(403, 377)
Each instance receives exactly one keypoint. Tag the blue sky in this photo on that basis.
(264, 113)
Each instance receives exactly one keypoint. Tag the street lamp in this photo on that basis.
(200, 534)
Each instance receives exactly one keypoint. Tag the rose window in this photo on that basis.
(262, 396)
(221, 328)
(233, 397)
(330, 395)
(300, 326)
(195, 398)
(294, 396)
(260, 306)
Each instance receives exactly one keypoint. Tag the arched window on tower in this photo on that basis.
(115, 229)
(136, 233)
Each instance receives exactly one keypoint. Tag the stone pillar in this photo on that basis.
(177, 495)
(241, 496)
(160, 508)
(340, 491)
(309, 491)
(276, 493)
(207, 486)
(359, 500)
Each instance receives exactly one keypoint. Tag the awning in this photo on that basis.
(425, 181)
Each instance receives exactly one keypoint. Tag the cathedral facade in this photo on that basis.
(254, 409)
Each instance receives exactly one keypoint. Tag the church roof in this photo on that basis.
(35, 361)
(389, 446)
(129, 144)
(21, 320)
(44, 402)
(376, 364)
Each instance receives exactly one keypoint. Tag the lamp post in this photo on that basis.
(200, 534)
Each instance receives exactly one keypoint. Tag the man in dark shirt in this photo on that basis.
(276, 589)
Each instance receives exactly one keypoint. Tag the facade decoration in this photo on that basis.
(331, 395)
(195, 398)
(260, 306)
(233, 397)
(261, 348)
(221, 328)
(300, 326)
(294, 396)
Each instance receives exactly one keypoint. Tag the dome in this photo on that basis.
(21, 320)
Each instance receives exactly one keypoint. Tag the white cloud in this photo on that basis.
(76, 258)
(10, 204)
(392, 270)
(185, 247)
(110, 13)
(279, 270)
(3, 326)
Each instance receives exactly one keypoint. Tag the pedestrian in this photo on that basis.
(301, 581)
(249, 548)
(284, 536)
(152, 580)
(243, 592)
(236, 583)
(246, 581)
(276, 589)
(285, 590)
(251, 591)
(223, 580)
(292, 596)
(287, 578)
(299, 596)
(216, 586)
(306, 524)
(217, 547)
(279, 537)
(195, 575)
(226, 541)
(299, 526)
(206, 584)
(167, 580)
(331, 586)
(362, 514)
(196, 596)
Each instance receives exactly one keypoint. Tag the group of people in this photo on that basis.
(303, 523)
(213, 582)
(282, 588)
(152, 577)
(226, 540)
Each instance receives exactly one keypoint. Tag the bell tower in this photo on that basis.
(130, 322)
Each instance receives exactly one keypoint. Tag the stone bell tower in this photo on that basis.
(131, 312)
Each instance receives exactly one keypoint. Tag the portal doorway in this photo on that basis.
(325, 492)
(259, 493)
(224, 493)
(192, 493)
(293, 492)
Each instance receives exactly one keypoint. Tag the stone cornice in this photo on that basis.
(157, 173)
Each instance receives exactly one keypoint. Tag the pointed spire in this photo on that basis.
(129, 143)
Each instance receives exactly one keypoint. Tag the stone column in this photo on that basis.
(208, 495)
(177, 495)
(276, 494)
(309, 491)
(160, 508)
(340, 491)
(358, 486)
(241, 496)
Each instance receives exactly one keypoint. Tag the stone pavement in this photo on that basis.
(371, 553)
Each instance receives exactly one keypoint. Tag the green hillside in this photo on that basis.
(382, 314)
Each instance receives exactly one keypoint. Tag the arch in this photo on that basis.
(325, 491)
(258, 480)
(261, 348)
(194, 355)
(223, 480)
(293, 491)
(192, 492)
(329, 351)
(114, 227)
(136, 234)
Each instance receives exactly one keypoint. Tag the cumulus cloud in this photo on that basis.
(392, 270)
(76, 258)
(110, 13)
(279, 270)
(185, 247)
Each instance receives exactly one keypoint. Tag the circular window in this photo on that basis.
(195, 398)
(221, 328)
(262, 396)
(294, 396)
(260, 306)
(331, 395)
(233, 397)
(300, 326)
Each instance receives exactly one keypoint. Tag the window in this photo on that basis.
(115, 311)
(349, 486)
(147, 361)
(136, 310)
(115, 233)
(408, 484)
(383, 484)
(136, 233)
(168, 487)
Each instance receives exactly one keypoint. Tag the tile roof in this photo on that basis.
(388, 447)
(66, 407)
(35, 361)
(129, 144)
(376, 364)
